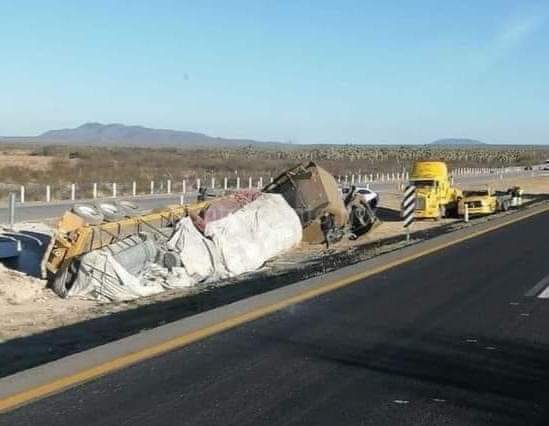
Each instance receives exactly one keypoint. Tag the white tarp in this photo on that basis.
(254, 234)
(240, 242)
(101, 277)
(199, 256)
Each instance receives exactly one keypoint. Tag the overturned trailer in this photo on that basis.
(120, 253)
(175, 247)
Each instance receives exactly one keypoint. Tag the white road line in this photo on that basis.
(538, 287)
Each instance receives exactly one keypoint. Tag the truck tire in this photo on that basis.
(89, 213)
(129, 209)
(63, 280)
(110, 211)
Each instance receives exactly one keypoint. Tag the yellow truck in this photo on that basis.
(487, 201)
(435, 196)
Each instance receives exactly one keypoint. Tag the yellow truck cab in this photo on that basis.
(435, 196)
(486, 201)
(478, 202)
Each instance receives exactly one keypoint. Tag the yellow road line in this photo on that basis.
(123, 361)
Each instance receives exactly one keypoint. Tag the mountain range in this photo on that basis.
(115, 134)
(120, 134)
(457, 142)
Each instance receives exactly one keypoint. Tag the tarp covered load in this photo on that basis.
(219, 208)
(255, 233)
(237, 243)
(113, 273)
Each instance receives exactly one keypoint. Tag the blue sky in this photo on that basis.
(306, 71)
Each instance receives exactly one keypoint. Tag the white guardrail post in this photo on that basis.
(11, 208)
(184, 186)
(114, 190)
(73, 191)
(94, 190)
(152, 187)
(134, 188)
(48, 194)
(237, 183)
(22, 194)
(225, 183)
(169, 186)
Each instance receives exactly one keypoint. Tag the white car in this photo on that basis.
(367, 195)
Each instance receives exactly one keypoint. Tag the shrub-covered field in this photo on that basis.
(62, 165)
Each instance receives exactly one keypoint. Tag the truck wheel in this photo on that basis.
(63, 280)
(110, 211)
(89, 213)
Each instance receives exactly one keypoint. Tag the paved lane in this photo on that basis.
(448, 339)
(41, 211)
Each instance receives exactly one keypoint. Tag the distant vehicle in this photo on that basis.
(365, 194)
(528, 168)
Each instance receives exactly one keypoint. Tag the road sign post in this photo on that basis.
(408, 208)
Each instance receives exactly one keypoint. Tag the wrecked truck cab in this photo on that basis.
(312, 192)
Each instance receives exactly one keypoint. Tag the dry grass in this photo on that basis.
(59, 166)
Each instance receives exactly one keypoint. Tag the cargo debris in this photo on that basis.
(177, 254)
(114, 251)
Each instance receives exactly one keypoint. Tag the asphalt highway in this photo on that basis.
(42, 211)
(457, 337)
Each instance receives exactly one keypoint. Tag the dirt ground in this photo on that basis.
(27, 307)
